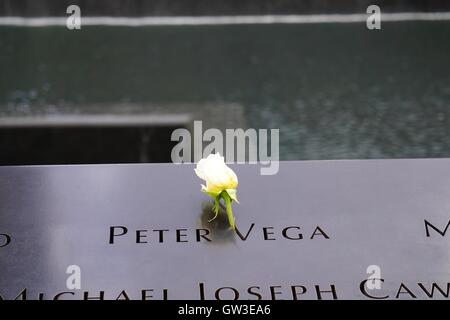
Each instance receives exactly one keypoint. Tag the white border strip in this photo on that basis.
(222, 20)
(95, 120)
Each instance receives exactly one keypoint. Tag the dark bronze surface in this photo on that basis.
(370, 212)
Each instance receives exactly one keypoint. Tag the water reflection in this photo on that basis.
(335, 91)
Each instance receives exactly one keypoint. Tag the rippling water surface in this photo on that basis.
(334, 90)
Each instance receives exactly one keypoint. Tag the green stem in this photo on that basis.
(215, 208)
(227, 200)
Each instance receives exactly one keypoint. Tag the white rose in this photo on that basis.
(217, 175)
(221, 183)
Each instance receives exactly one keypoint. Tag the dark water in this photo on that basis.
(334, 90)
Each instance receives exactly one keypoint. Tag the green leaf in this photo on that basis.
(213, 195)
(232, 194)
(215, 208)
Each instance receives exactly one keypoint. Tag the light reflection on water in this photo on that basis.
(334, 90)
